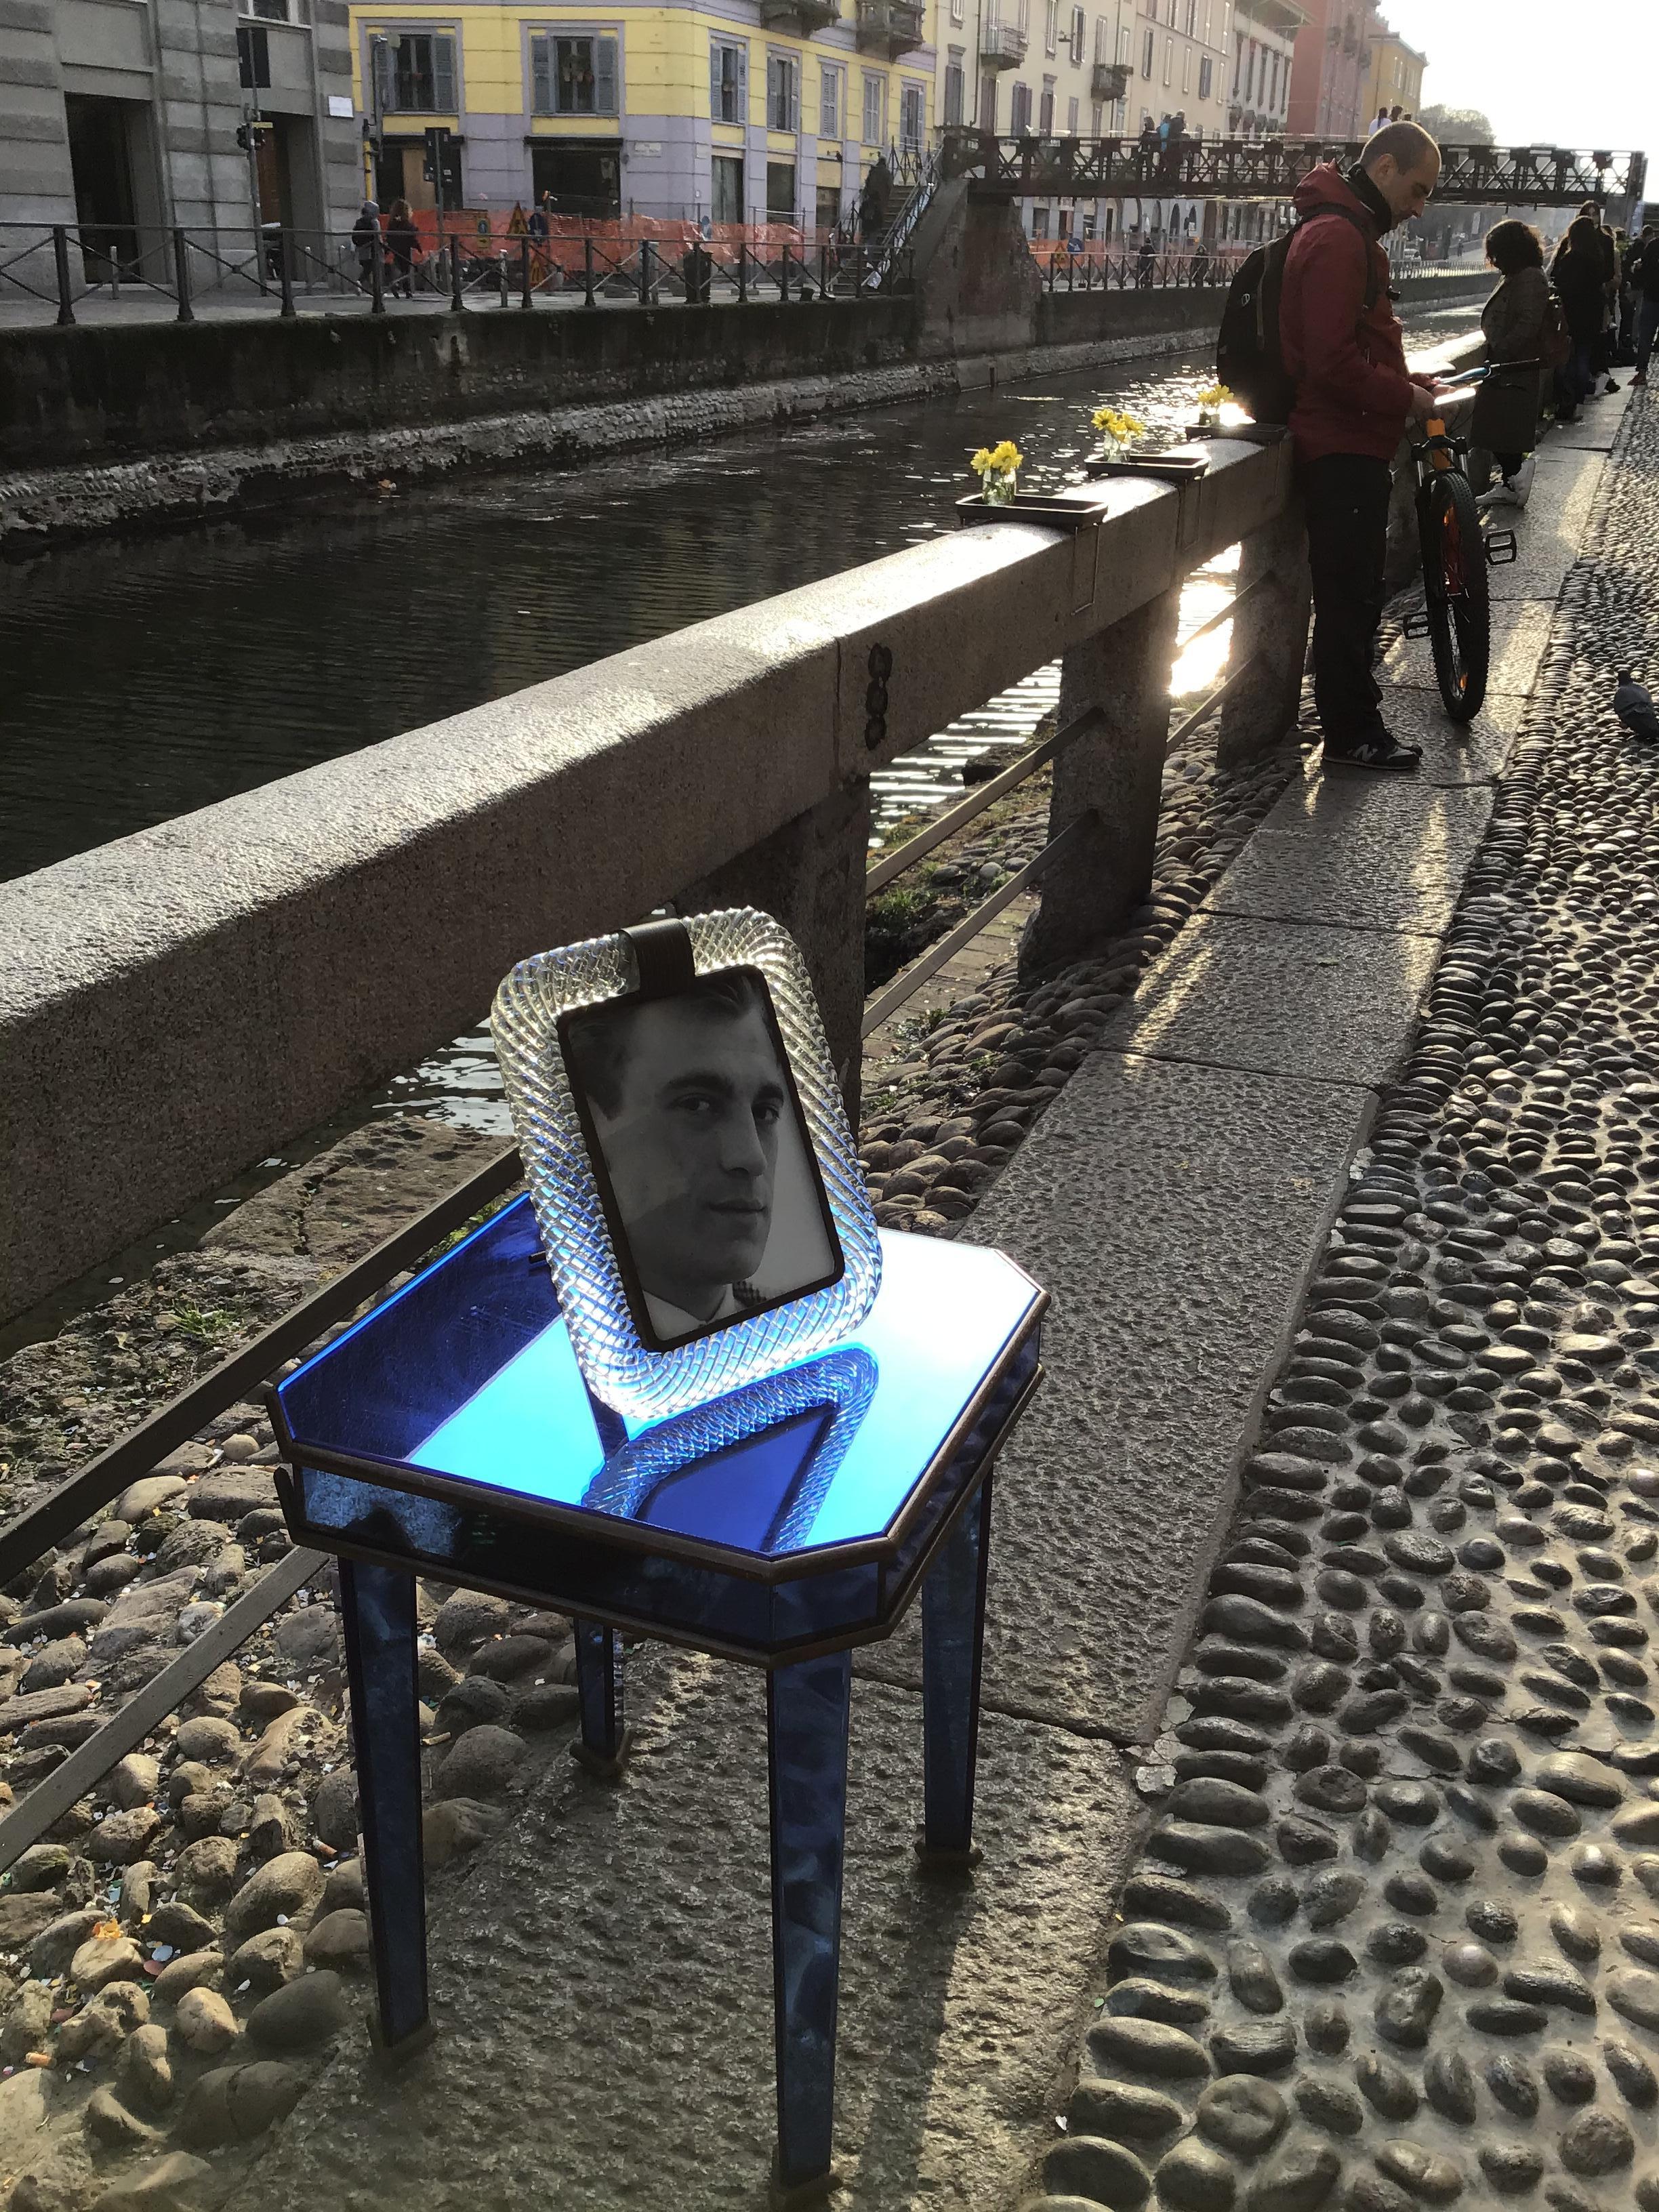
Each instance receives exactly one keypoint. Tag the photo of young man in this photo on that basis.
(700, 1139)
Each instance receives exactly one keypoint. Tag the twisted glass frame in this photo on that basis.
(619, 1369)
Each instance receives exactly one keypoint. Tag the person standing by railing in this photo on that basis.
(366, 238)
(1643, 269)
(1514, 324)
(1343, 348)
(403, 244)
(1579, 275)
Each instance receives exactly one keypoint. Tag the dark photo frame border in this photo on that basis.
(665, 972)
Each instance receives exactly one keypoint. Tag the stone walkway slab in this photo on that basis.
(1172, 1211)
(1333, 1006)
(1280, 878)
(602, 1985)
(1520, 631)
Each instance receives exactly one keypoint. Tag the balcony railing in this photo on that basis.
(1002, 45)
(1110, 81)
(805, 15)
(891, 28)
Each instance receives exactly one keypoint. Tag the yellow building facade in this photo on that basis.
(732, 112)
(1395, 76)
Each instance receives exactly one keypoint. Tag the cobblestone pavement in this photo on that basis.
(1394, 1938)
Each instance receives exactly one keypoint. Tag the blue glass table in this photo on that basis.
(449, 1434)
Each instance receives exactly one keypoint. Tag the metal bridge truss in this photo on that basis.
(1246, 168)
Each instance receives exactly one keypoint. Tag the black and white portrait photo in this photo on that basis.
(703, 1157)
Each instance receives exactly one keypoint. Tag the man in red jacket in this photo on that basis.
(1354, 396)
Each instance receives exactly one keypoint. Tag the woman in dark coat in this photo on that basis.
(1580, 279)
(1514, 321)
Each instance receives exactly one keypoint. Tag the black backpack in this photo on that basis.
(1247, 358)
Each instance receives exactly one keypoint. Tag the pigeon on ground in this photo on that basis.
(1633, 704)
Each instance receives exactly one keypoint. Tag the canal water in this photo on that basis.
(149, 676)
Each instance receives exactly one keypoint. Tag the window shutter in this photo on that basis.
(541, 72)
(443, 74)
(794, 70)
(385, 75)
(715, 111)
(743, 84)
(604, 76)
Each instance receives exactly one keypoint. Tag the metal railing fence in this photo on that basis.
(62, 265)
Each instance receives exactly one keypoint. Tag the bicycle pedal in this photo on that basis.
(1416, 624)
(1501, 548)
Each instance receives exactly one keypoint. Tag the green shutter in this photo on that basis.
(443, 74)
(604, 76)
(541, 73)
(713, 82)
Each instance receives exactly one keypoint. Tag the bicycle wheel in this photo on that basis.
(1455, 583)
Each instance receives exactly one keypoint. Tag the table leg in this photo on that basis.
(603, 1745)
(807, 1710)
(378, 1608)
(952, 1644)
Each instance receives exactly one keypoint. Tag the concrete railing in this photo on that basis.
(187, 999)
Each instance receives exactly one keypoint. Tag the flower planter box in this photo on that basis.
(1075, 510)
(1177, 468)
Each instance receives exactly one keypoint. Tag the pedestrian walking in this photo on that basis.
(1645, 284)
(1515, 323)
(403, 244)
(366, 238)
(872, 200)
(1580, 282)
(1342, 346)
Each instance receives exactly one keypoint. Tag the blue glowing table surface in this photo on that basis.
(462, 1387)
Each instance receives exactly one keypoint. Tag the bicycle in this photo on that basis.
(1456, 614)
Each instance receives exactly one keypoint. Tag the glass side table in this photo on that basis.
(449, 1434)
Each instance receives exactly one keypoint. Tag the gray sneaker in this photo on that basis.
(1381, 750)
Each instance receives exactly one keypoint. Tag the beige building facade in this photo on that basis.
(1053, 69)
(1395, 77)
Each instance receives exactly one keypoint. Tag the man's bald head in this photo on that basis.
(1403, 162)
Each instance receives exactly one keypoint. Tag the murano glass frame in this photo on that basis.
(620, 1369)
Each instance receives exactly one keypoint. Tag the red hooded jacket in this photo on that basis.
(1353, 391)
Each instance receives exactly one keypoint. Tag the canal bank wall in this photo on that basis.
(110, 426)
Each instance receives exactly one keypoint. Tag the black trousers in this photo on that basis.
(1346, 498)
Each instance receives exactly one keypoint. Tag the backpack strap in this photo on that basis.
(1335, 207)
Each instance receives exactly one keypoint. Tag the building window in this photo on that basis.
(1039, 222)
(953, 92)
(1050, 26)
(1102, 32)
(271, 11)
(253, 57)
(1206, 78)
(1079, 34)
(1019, 110)
(1146, 55)
(1191, 20)
(420, 73)
(1046, 108)
(783, 98)
(781, 192)
(573, 77)
(1071, 119)
(984, 115)
(727, 179)
(1169, 60)
(958, 10)
(728, 84)
(1097, 120)
(875, 109)
(913, 118)
(1186, 69)
(832, 101)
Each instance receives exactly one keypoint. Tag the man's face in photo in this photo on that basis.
(691, 1142)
